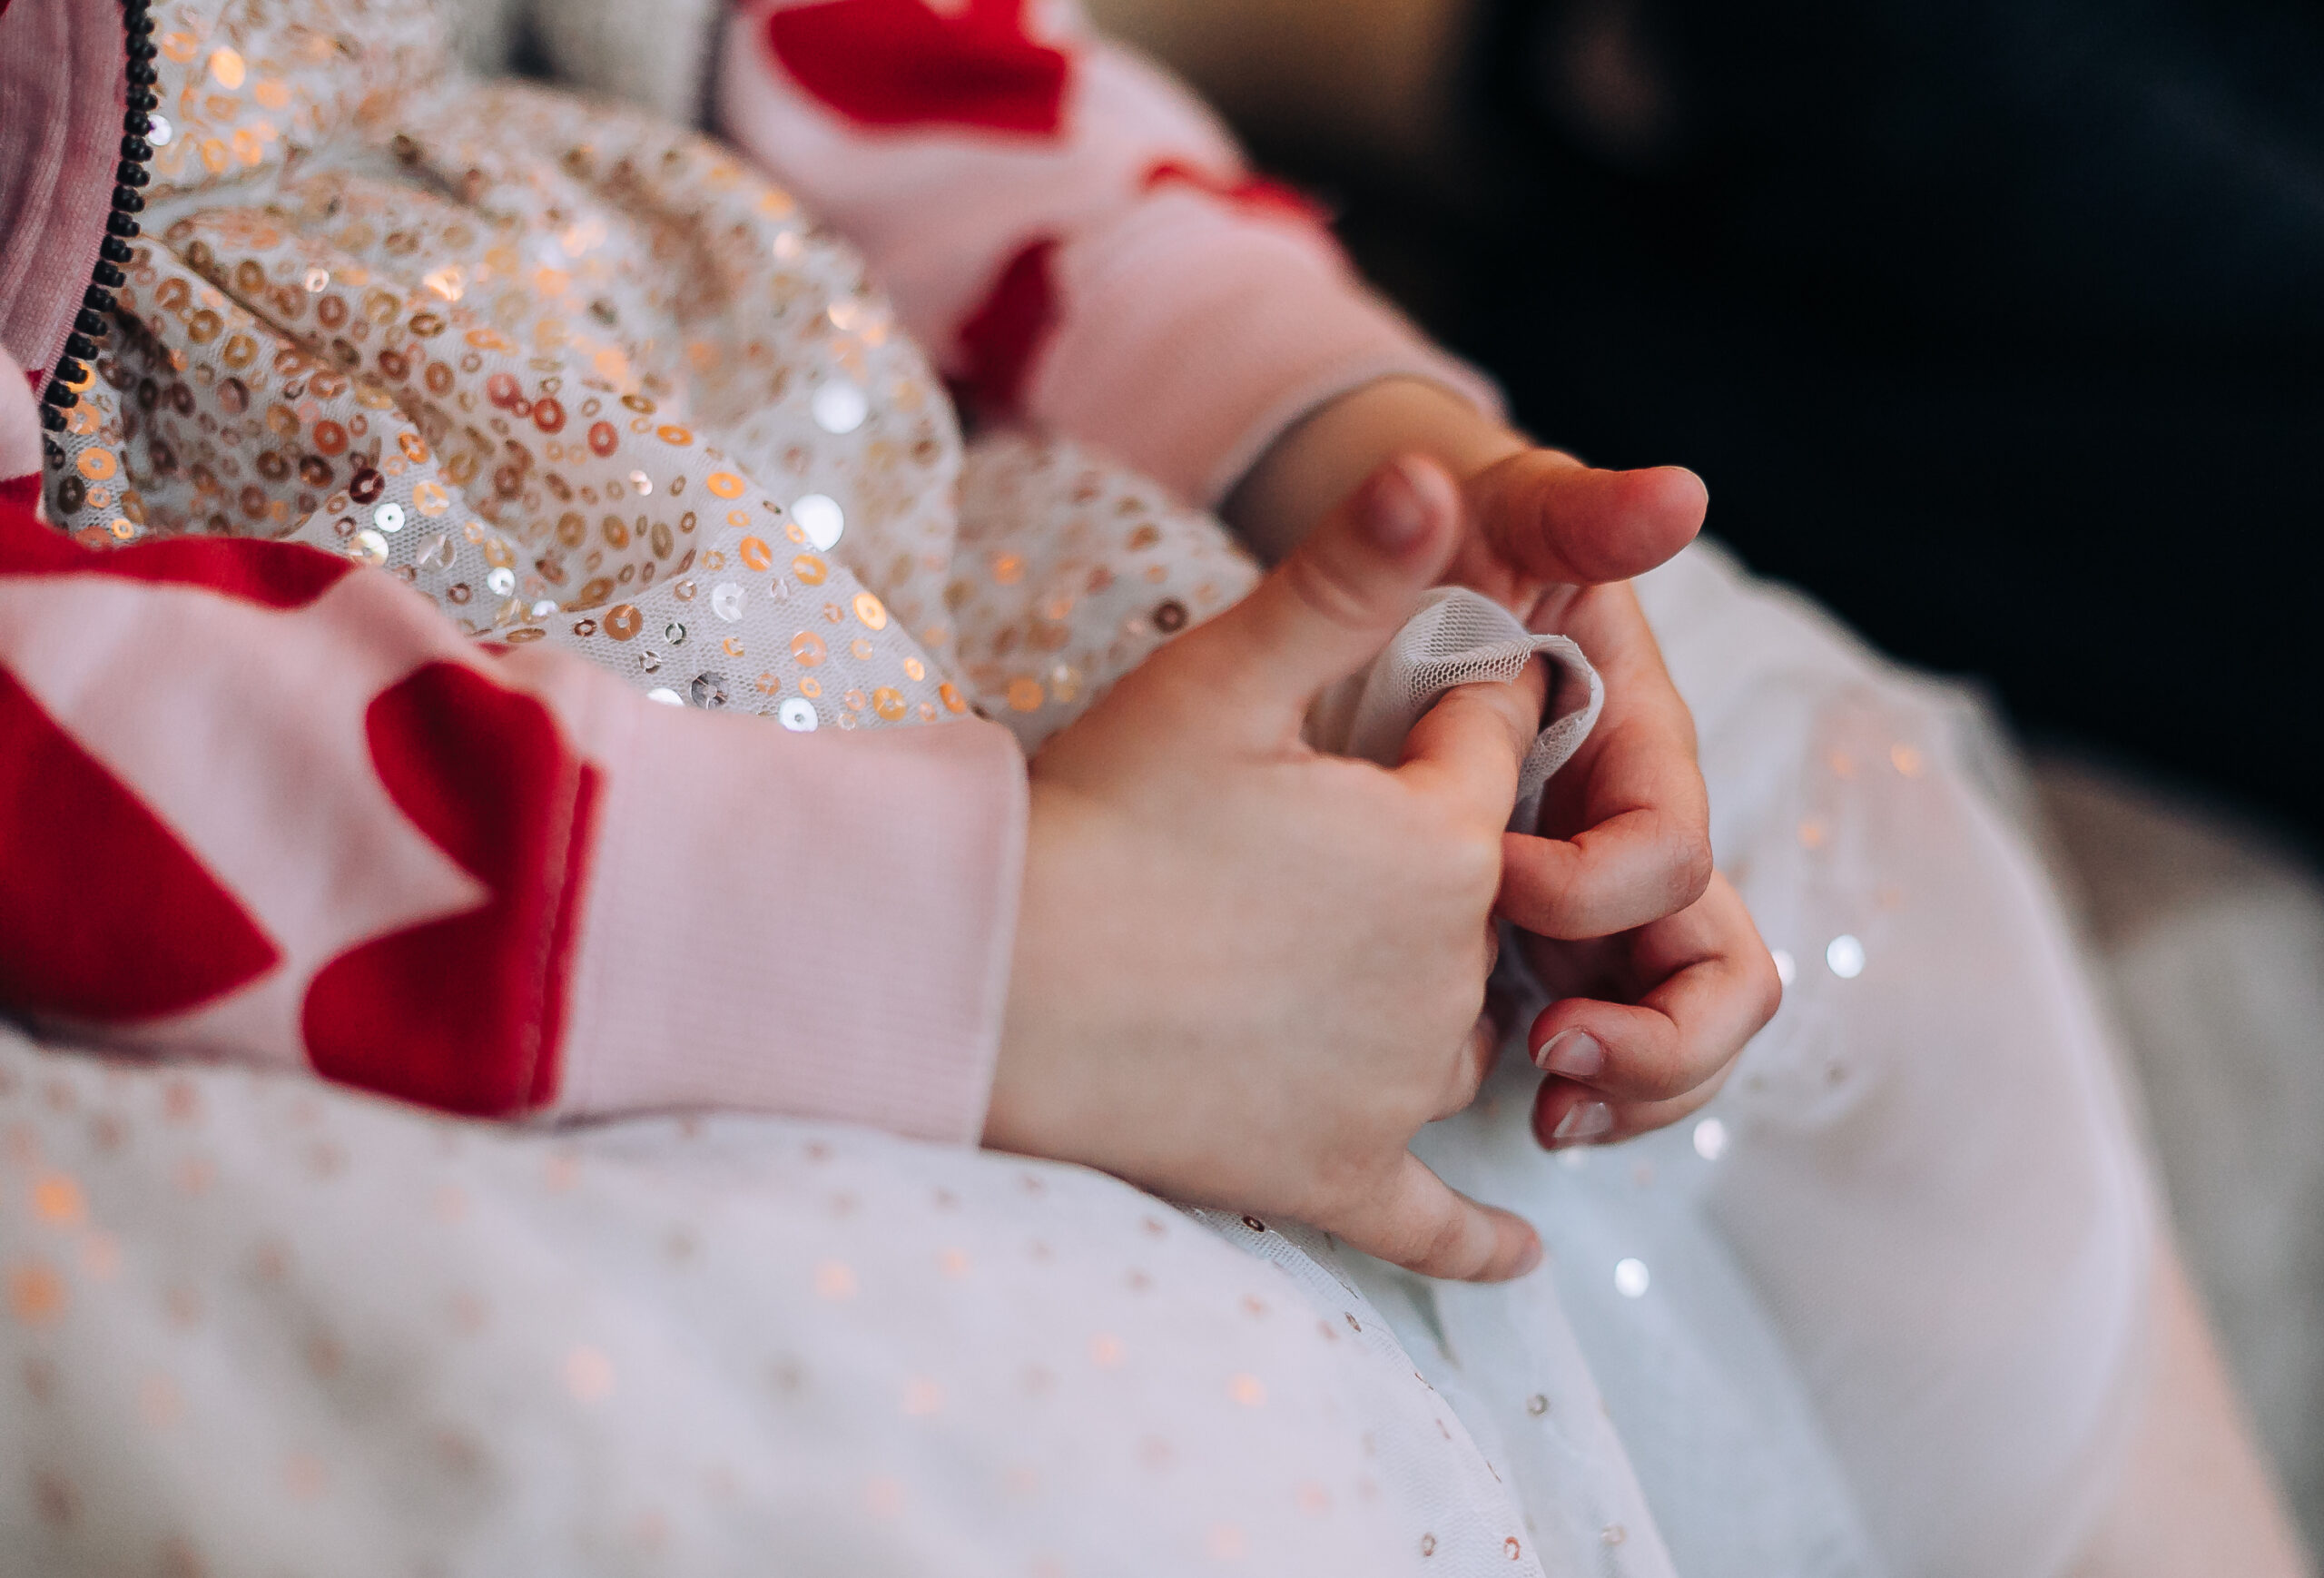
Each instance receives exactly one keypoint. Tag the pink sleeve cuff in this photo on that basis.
(1195, 335)
(813, 925)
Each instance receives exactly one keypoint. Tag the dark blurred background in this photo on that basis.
(1993, 324)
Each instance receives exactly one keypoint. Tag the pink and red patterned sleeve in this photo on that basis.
(258, 803)
(1070, 232)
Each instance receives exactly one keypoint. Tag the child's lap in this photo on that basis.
(268, 1322)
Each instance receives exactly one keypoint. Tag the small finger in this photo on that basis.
(1716, 988)
(1635, 868)
(1422, 1224)
(1567, 1115)
(1469, 747)
(1629, 818)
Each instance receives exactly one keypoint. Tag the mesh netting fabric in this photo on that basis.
(1459, 637)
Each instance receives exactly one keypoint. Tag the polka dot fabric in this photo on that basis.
(252, 1324)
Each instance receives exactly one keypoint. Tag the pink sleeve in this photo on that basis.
(1071, 233)
(258, 803)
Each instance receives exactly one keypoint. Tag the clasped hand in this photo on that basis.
(1246, 974)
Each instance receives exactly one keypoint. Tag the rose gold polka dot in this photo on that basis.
(588, 1374)
(37, 1294)
(57, 1200)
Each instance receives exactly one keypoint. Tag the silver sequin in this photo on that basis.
(819, 517)
(840, 408)
(1710, 1139)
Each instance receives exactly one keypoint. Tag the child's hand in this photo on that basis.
(1246, 974)
(1625, 852)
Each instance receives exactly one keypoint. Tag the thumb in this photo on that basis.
(1329, 608)
(1551, 515)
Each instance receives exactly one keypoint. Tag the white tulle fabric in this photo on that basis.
(1458, 638)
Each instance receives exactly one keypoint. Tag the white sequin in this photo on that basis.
(502, 580)
(1845, 956)
(727, 600)
(1630, 1278)
(665, 695)
(798, 716)
(389, 518)
(159, 131)
(1710, 1139)
(840, 408)
(1786, 966)
(819, 516)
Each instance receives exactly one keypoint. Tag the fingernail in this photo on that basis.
(1576, 1054)
(1395, 509)
(1586, 1121)
(1529, 1259)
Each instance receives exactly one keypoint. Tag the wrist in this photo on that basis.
(1319, 461)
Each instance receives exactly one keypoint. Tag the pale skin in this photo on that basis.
(1247, 974)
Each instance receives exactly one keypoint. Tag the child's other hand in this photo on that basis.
(1246, 974)
(1621, 873)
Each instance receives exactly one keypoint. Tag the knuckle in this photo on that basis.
(1440, 1244)
(1668, 1081)
(1690, 864)
(1767, 988)
(1329, 590)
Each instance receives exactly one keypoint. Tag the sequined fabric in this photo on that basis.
(581, 378)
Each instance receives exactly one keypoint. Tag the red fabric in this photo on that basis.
(20, 493)
(466, 1013)
(105, 917)
(897, 63)
(273, 575)
(1251, 193)
(1000, 339)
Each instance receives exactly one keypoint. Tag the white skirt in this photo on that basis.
(1878, 1310)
